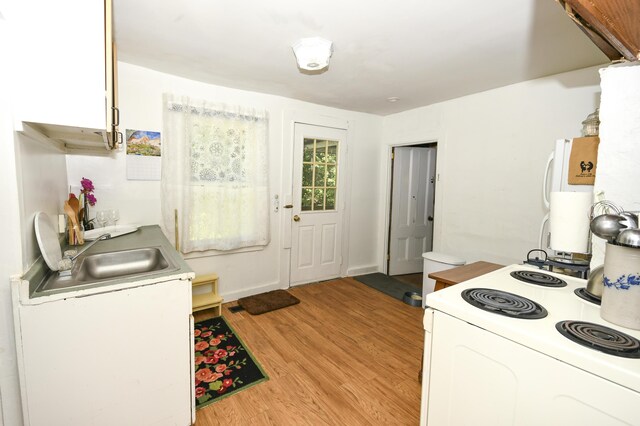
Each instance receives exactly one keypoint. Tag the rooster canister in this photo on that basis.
(621, 292)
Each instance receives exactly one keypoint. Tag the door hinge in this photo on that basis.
(393, 155)
(388, 256)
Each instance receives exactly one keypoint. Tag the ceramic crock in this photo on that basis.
(621, 292)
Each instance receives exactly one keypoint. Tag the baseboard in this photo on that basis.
(235, 295)
(362, 270)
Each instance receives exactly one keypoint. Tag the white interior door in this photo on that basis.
(318, 203)
(411, 231)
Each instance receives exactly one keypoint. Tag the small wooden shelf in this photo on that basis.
(204, 299)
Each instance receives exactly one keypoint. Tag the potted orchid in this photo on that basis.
(88, 199)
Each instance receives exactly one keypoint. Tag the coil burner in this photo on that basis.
(584, 294)
(504, 303)
(600, 338)
(538, 278)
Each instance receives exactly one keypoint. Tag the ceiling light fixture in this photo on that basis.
(312, 53)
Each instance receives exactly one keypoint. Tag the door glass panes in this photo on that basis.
(307, 198)
(307, 155)
(318, 199)
(332, 172)
(330, 194)
(319, 174)
(307, 175)
(321, 151)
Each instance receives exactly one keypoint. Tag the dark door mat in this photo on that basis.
(267, 302)
(386, 284)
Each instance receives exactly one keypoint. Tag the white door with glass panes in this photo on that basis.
(318, 204)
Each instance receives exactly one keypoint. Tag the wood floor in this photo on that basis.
(346, 355)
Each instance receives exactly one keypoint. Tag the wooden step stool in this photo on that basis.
(207, 299)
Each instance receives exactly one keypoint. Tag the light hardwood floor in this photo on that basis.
(346, 355)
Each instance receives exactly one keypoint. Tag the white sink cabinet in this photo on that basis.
(66, 72)
(112, 358)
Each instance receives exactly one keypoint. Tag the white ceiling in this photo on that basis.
(421, 51)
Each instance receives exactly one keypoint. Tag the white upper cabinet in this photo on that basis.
(66, 68)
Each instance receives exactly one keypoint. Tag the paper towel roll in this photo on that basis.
(569, 221)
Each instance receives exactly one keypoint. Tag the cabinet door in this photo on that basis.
(613, 25)
(476, 377)
(61, 62)
(119, 358)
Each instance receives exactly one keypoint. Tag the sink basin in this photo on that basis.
(121, 263)
(117, 265)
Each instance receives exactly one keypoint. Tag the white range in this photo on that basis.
(496, 359)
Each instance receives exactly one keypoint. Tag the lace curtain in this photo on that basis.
(215, 173)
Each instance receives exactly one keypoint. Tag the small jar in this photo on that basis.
(591, 125)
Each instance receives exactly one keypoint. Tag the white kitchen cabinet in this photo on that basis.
(66, 71)
(113, 358)
(612, 25)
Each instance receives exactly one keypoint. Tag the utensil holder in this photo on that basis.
(72, 235)
(621, 292)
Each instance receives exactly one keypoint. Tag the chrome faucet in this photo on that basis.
(66, 264)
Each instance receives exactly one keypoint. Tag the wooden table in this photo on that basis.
(457, 275)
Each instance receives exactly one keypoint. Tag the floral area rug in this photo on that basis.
(223, 363)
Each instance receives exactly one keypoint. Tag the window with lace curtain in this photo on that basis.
(215, 174)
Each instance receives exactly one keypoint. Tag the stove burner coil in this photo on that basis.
(538, 278)
(584, 294)
(504, 303)
(600, 338)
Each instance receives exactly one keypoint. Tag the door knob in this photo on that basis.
(296, 218)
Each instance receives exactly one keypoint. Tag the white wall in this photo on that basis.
(10, 263)
(492, 150)
(10, 249)
(141, 90)
(42, 182)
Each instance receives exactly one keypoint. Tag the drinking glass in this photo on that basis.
(101, 218)
(114, 216)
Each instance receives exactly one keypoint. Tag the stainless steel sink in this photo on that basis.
(121, 263)
(117, 265)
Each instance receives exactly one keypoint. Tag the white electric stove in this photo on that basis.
(500, 350)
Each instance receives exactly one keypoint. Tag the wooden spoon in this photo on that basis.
(72, 233)
(74, 220)
(74, 203)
